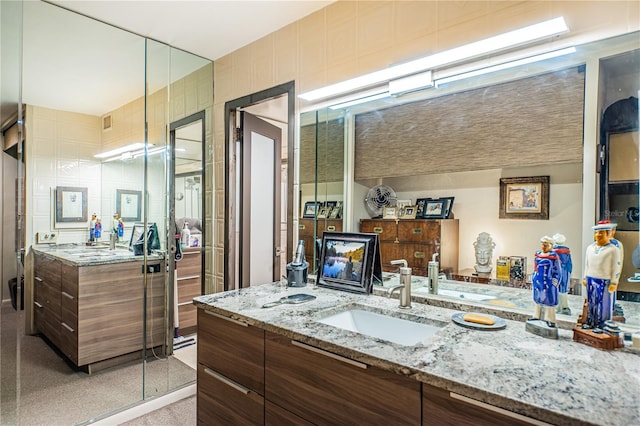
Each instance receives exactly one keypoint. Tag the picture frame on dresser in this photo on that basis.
(420, 203)
(335, 213)
(323, 212)
(390, 212)
(436, 208)
(524, 198)
(408, 212)
(310, 209)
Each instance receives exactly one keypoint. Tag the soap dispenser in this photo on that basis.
(185, 235)
(434, 271)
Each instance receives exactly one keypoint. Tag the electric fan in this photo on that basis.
(378, 197)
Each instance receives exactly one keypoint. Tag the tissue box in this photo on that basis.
(502, 268)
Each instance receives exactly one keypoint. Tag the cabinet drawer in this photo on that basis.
(313, 384)
(69, 310)
(190, 265)
(68, 343)
(419, 231)
(52, 300)
(278, 416)
(187, 315)
(69, 280)
(220, 401)
(232, 349)
(48, 270)
(439, 408)
(188, 289)
(386, 229)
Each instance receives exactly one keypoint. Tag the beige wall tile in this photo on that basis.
(285, 53)
(341, 41)
(262, 64)
(375, 28)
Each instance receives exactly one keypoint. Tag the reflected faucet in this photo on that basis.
(405, 284)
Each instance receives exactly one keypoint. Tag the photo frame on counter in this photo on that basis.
(129, 205)
(71, 205)
(408, 212)
(435, 208)
(524, 198)
(310, 209)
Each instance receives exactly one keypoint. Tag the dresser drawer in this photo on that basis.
(188, 289)
(418, 231)
(232, 349)
(386, 229)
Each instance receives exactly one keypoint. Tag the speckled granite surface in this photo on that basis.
(81, 255)
(557, 381)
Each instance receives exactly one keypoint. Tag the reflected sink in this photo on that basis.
(385, 327)
(457, 294)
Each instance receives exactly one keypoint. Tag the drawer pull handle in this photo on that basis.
(331, 228)
(226, 381)
(67, 295)
(38, 279)
(419, 255)
(417, 231)
(37, 304)
(190, 277)
(496, 409)
(329, 354)
(301, 226)
(67, 327)
(378, 229)
(244, 324)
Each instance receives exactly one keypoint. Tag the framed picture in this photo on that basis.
(435, 208)
(71, 205)
(401, 204)
(323, 212)
(409, 212)
(390, 212)
(310, 209)
(449, 208)
(420, 202)
(129, 205)
(336, 212)
(330, 203)
(524, 198)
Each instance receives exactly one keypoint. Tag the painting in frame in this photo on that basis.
(129, 205)
(436, 208)
(71, 205)
(408, 212)
(524, 198)
(310, 209)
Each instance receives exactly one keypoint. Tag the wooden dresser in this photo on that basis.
(415, 240)
(305, 232)
(189, 273)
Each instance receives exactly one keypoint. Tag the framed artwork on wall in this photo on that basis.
(524, 198)
(129, 205)
(71, 205)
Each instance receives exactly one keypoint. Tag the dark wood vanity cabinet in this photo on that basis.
(416, 240)
(189, 276)
(230, 371)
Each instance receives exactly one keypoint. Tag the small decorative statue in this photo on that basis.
(566, 266)
(98, 229)
(483, 246)
(92, 228)
(602, 268)
(120, 228)
(545, 282)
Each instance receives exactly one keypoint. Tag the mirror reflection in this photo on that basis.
(455, 143)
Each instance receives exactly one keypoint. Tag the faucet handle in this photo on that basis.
(400, 262)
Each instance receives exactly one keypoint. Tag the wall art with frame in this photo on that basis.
(129, 205)
(524, 198)
(71, 206)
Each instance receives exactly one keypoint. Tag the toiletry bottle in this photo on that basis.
(434, 271)
(185, 235)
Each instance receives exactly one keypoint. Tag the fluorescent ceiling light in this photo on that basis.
(467, 51)
(411, 83)
(118, 151)
(360, 100)
(506, 65)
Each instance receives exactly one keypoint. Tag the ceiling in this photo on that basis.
(208, 28)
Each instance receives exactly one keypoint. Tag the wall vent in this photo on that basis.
(107, 123)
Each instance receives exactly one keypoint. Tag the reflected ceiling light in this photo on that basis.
(411, 83)
(467, 51)
(360, 100)
(122, 149)
(506, 65)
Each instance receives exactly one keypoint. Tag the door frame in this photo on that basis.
(230, 190)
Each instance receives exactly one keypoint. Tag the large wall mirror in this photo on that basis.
(461, 138)
(88, 88)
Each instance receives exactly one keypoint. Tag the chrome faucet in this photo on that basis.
(405, 284)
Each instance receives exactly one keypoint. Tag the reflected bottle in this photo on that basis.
(185, 235)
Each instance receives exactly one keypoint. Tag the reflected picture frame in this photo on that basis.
(323, 212)
(336, 212)
(71, 205)
(310, 209)
(129, 205)
(524, 198)
(390, 212)
(436, 208)
(408, 212)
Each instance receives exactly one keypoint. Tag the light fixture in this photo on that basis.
(506, 65)
(122, 149)
(360, 100)
(411, 83)
(465, 52)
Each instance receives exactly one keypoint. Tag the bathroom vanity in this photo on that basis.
(88, 303)
(282, 365)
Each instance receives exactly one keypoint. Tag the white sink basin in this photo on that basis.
(457, 294)
(380, 326)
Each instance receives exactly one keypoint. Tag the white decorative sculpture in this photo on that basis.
(484, 246)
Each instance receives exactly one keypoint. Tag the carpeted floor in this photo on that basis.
(40, 388)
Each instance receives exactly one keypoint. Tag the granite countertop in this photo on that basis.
(557, 381)
(82, 255)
